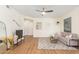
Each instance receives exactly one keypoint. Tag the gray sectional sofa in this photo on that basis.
(70, 39)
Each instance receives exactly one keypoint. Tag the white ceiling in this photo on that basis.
(30, 10)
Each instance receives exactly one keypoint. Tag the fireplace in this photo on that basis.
(19, 33)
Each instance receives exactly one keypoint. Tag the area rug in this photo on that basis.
(44, 43)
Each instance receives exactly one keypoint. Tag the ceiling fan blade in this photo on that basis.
(49, 11)
(39, 10)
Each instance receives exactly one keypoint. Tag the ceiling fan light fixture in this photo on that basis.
(43, 13)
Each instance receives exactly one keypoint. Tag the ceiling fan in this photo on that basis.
(44, 11)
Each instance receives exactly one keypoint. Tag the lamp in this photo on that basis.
(58, 22)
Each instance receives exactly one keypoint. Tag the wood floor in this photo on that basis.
(29, 46)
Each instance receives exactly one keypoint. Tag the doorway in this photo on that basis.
(28, 27)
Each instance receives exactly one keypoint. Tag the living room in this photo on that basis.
(43, 24)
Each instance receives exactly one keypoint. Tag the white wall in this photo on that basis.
(9, 14)
(28, 27)
(49, 27)
(75, 20)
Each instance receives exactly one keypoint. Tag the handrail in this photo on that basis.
(16, 23)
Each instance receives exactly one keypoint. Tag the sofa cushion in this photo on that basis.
(63, 34)
(75, 36)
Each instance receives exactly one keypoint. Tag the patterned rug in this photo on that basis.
(44, 43)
